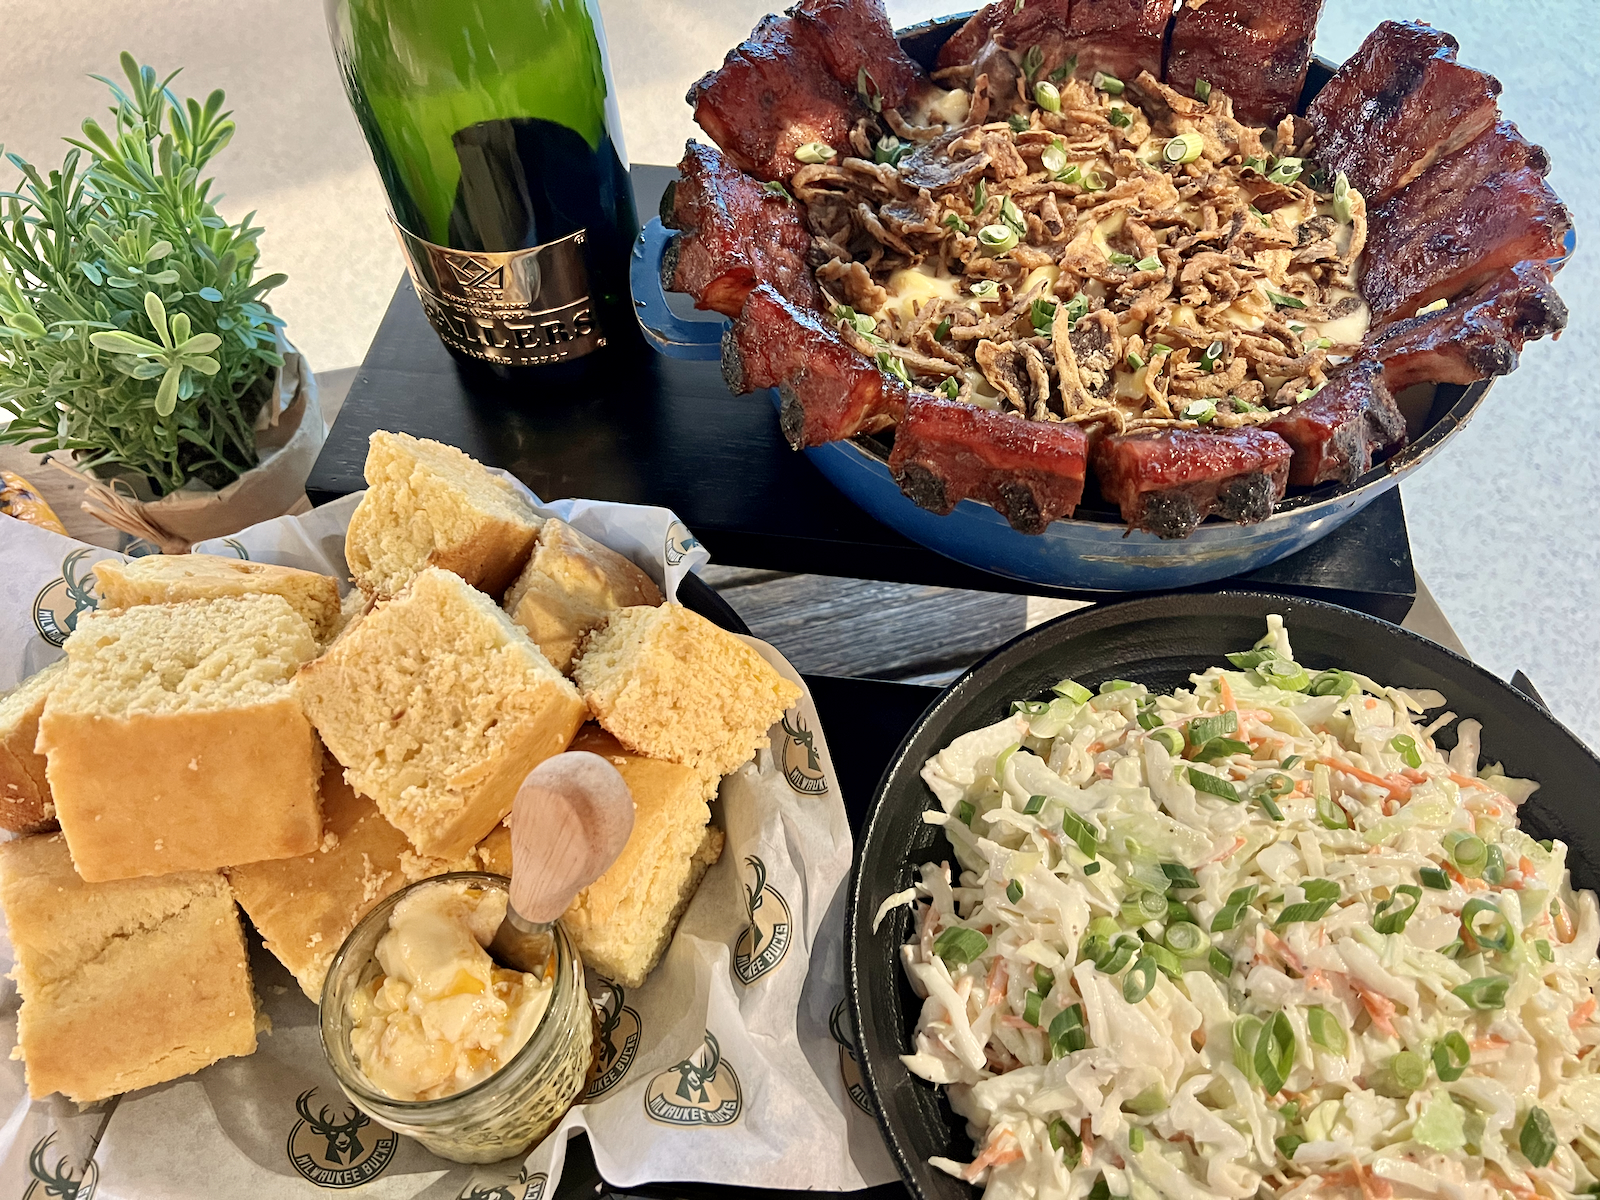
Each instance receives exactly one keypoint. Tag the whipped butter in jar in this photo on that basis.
(432, 1038)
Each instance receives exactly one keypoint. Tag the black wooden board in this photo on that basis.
(650, 430)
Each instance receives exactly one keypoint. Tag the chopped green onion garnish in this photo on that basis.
(1014, 891)
(1149, 716)
(1406, 747)
(1136, 984)
(1107, 83)
(1220, 748)
(1341, 198)
(1202, 91)
(1168, 737)
(1202, 729)
(980, 196)
(1001, 759)
(1033, 805)
(1270, 807)
(949, 389)
(1012, 216)
(965, 812)
(1158, 348)
(1409, 1070)
(1047, 96)
(1211, 357)
(1494, 866)
(1326, 1031)
(1391, 915)
(1285, 301)
(1433, 877)
(893, 365)
(1042, 314)
(1292, 761)
(1288, 1143)
(1065, 69)
(1031, 1005)
(1182, 878)
(1018, 123)
(777, 189)
(1201, 781)
(1309, 910)
(1466, 851)
(1537, 1141)
(1286, 171)
(1274, 1056)
(1134, 361)
(1054, 157)
(1320, 889)
(815, 153)
(867, 88)
(1093, 183)
(1186, 939)
(1080, 831)
(1120, 118)
(1498, 935)
(1044, 979)
(1323, 343)
(1092, 869)
(1260, 216)
(959, 945)
(1228, 915)
(1119, 259)
(1333, 683)
(1219, 962)
(1144, 906)
(1202, 411)
(1063, 1139)
(941, 330)
(1135, 1139)
(1166, 961)
(890, 150)
(1031, 62)
(1545, 951)
(954, 221)
(1184, 148)
(1250, 659)
(1069, 689)
(1484, 993)
(1116, 685)
(998, 238)
(1451, 1057)
(1072, 174)
(1148, 264)
(986, 289)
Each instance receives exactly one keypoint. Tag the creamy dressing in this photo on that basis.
(442, 1016)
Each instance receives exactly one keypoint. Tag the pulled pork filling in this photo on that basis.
(1116, 253)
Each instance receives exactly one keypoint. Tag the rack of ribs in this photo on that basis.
(1398, 105)
(1257, 51)
(1336, 432)
(734, 234)
(1476, 337)
(1030, 472)
(855, 35)
(828, 390)
(1118, 37)
(1167, 482)
(1465, 219)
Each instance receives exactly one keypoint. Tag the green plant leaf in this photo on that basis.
(203, 363)
(157, 312)
(211, 294)
(91, 273)
(200, 343)
(160, 250)
(180, 329)
(118, 342)
(167, 393)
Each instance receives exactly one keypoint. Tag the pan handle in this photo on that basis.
(669, 333)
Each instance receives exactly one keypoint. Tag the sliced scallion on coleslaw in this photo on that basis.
(1260, 937)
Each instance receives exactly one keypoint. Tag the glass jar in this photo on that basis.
(502, 1115)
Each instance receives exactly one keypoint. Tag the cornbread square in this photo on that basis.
(304, 907)
(429, 505)
(667, 683)
(175, 741)
(173, 578)
(25, 803)
(438, 706)
(570, 586)
(123, 984)
(622, 922)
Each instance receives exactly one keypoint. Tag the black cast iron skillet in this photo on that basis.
(1159, 642)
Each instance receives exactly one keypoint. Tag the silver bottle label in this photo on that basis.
(520, 308)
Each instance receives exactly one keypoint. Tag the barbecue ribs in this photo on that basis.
(1167, 482)
(1257, 51)
(1336, 432)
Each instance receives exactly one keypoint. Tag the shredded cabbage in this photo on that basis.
(1382, 987)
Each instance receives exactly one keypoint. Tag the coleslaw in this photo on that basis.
(1261, 937)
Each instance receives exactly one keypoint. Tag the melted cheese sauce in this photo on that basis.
(442, 1016)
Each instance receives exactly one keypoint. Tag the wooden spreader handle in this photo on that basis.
(571, 819)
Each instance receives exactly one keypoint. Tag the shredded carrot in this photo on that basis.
(1526, 866)
(1281, 948)
(1582, 1013)
(1239, 844)
(1414, 775)
(1096, 747)
(1565, 930)
(998, 977)
(1226, 693)
(1379, 1007)
(1373, 1187)
(1466, 881)
(1464, 781)
(1398, 787)
(1484, 1044)
(1503, 1182)
(993, 1156)
(1371, 703)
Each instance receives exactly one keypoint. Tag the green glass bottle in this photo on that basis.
(494, 127)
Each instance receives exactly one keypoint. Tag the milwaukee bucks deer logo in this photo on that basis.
(701, 1090)
(620, 1030)
(63, 600)
(523, 1187)
(801, 766)
(64, 1181)
(338, 1152)
(766, 938)
(843, 1031)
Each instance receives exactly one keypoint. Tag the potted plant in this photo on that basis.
(135, 335)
